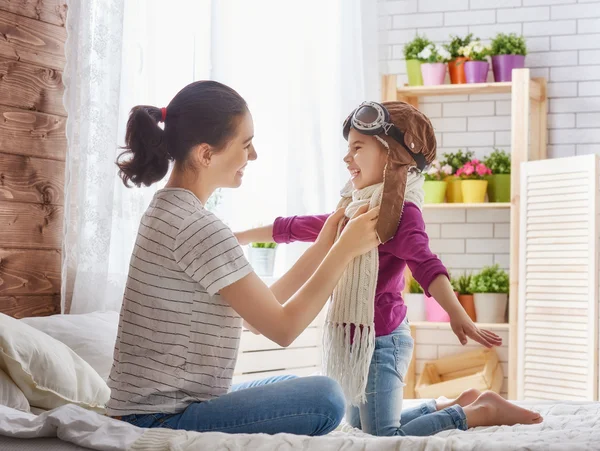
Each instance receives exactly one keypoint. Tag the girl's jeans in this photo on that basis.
(382, 414)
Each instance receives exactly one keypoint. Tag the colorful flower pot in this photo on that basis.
(502, 65)
(454, 190)
(468, 303)
(491, 307)
(476, 71)
(413, 69)
(435, 191)
(498, 189)
(434, 311)
(474, 191)
(433, 73)
(456, 69)
(415, 306)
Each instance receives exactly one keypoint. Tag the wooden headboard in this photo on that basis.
(32, 155)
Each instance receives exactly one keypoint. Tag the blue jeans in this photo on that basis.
(304, 406)
(382, 414)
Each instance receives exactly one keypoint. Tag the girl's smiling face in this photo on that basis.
(366, 159)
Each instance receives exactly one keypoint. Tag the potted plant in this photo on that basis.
(462, 287)
(413, 65)
(415, 301)
(455, 160)
(490, 291)
(262, 258)
(474, 184)
(476, 69)
(433, 64)
(508, 53)
(456, 67)
(435, 185)
(499, 182)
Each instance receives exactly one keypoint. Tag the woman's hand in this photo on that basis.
(464, 327)
(328, 233)
(359, 235)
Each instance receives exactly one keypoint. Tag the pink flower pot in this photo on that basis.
(476, 71)
(434, 311)
(433, 73)
(502, 65)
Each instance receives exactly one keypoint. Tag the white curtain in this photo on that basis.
(302, 66)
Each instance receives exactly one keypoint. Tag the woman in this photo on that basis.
(189, 284)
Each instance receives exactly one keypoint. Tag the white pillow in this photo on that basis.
(91, 335)
(11, 395)
(48, 372)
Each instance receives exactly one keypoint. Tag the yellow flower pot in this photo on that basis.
(454, 189)
(474, 191)
(435, 191)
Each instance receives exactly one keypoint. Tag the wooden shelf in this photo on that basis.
(535, 91)
(436, 325)
(446, 205)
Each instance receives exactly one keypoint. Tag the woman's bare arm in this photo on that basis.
(259, 306)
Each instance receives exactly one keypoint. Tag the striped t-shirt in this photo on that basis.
(177, 340)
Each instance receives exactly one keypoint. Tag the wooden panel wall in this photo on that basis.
(32, 155)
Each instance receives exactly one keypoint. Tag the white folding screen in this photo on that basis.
(558, 280)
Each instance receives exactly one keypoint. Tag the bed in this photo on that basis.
(567, 425)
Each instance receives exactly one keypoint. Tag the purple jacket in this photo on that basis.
(410, 246)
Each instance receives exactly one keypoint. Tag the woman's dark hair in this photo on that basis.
(202, 112)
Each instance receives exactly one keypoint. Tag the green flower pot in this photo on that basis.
(434, 191)
(413, 69)
(499, 188)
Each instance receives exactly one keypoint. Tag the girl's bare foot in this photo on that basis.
(491, 409)
(465, 398)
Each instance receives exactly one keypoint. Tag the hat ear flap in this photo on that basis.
(392, 201)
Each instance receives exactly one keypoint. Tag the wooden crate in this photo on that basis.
(452, 375)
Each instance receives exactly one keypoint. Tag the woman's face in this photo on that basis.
(231, 162)
(365, 160)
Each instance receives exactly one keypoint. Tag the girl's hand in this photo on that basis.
(359, 235)
(330, 228)
(463, 327)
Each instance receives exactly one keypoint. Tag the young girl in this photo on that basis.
(388, 146)
(189, 283)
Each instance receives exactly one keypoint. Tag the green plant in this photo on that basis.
(498, 162)
(436, 172)
(473, 170)
(476, 51)
(434, 54)
(491, 279)
(414, 287)
(456, 160)
(264, 245)
(509, 44)
(414, 47)
(456, 43)
(461, 284)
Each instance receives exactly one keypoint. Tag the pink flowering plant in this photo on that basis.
(473, 170)
(436, 172)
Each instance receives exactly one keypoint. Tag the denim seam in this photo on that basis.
(331, 421)
(375, 397)
(460, 421)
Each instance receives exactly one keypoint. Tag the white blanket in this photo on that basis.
(567, 426)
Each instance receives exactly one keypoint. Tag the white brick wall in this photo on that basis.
(436, 340)
(563, 38)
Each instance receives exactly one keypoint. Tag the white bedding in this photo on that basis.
(567, 426)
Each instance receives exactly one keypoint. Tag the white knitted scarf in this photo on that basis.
(347, 358)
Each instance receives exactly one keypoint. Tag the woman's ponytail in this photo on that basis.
(145, 159)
